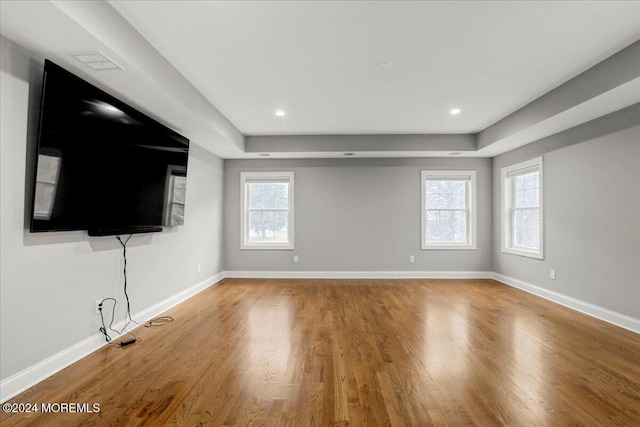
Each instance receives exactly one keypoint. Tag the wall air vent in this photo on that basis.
(96, 61)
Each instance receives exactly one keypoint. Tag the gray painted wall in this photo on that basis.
(592, 213)
(357, 215)
(49, 282)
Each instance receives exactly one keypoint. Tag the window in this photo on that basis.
(522, 209)
(175, 195)
(46, 184)
(267, 210)
(448, 209)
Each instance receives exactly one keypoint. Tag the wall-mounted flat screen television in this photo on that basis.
(103, 166)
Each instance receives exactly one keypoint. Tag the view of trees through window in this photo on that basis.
(446, 208)
(522, 208)
(268, 212)
(526, 210)
(179, 187)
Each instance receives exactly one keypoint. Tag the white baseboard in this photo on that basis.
(29, 377)
(165, 305)
(608, 316)
(359, 274)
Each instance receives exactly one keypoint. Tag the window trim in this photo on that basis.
(244, 218)
(471, 208)
(506, 186)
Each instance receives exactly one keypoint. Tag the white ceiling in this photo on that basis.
(185, 62)
(318, 61)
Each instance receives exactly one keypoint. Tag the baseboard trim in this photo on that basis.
(359, 274)
(170, 302)
(589, 309)
(31, 376)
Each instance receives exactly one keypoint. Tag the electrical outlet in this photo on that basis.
(412, 258)
(295, 258)
(198, 268)
(98, 303)
(552, 274)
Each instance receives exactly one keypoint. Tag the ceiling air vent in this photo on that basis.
(96, 61)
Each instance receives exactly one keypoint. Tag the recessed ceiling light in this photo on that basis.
(279, 113)
(455, 111)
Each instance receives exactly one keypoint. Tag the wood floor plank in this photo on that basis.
(406, 352)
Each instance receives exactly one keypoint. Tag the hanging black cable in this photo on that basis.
(127, 317)
(103, 329)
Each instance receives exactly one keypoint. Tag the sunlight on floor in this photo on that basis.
(270, 340)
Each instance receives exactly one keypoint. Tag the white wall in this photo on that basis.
(50, 281)
(357, 215)
(591, 214)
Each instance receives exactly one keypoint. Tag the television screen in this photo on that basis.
(101, 165)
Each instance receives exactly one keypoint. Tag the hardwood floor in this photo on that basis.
(357, 352)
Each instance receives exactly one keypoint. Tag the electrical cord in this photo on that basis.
(153, 323)
(158, 322)
(103, 329)
(127, 317)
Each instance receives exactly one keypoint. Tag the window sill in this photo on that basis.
(524, 253)
(266, 247)
(448, 247)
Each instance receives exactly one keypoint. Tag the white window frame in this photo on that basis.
(506, 183)
(244, 209)
(470, 177)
